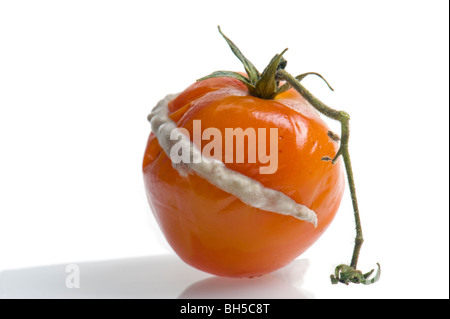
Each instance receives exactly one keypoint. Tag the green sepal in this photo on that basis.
(252, 72)
(231, 74)
(266, 87)
(302, 76)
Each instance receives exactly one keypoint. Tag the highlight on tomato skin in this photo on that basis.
(215, 231)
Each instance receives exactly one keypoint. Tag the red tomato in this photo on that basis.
(215, 231)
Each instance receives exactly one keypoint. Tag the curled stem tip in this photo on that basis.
(346, 275)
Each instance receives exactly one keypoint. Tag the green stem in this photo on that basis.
(351, 182)
(344, 119)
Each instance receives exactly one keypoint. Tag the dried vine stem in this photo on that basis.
(343, 273)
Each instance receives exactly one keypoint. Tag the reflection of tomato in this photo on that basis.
(213, 230)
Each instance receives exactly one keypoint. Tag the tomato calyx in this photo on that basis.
(263, 85)
(259, 85)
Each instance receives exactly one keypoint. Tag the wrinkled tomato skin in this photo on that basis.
(216, 232)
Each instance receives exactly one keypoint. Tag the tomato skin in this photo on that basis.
(215, 231)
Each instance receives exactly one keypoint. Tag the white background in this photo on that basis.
(78, 78)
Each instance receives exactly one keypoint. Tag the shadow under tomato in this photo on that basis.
(281, 284)
(152, 277)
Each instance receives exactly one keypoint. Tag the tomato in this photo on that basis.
(215, 231)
